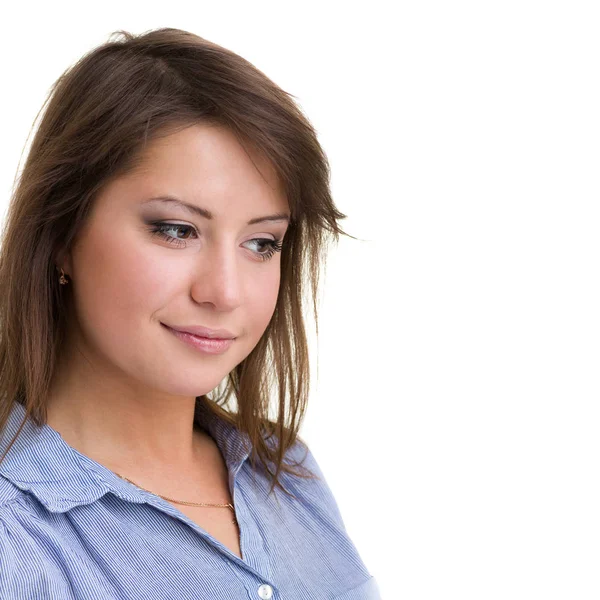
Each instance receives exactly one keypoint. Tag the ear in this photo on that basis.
(63, 261)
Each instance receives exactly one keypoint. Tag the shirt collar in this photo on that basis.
(60, 477)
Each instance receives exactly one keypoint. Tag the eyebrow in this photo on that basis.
(203, 212)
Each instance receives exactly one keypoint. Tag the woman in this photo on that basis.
(173, 207)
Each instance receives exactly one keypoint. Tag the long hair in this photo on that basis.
(99, 116)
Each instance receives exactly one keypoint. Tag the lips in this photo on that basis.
(203, 332)
(204, 345)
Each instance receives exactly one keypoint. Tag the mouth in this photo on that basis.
(203, 332)
(203, 344)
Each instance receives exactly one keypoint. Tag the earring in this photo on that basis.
(62, 279)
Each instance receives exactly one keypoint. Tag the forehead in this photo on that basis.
(207, 161)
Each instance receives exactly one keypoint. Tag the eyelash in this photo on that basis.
(159, 228)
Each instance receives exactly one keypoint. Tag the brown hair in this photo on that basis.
(99, 117)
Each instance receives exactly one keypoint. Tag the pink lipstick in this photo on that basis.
(208, 345)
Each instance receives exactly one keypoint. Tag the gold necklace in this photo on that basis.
(228, 505)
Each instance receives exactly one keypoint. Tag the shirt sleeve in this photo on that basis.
(24, 572)
(323, 503)
(13, 581)
(7, 560)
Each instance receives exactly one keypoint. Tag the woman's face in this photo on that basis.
(129, 279)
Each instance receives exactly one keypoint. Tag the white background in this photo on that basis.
(455, 414)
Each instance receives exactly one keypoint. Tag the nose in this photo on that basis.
(218, 279)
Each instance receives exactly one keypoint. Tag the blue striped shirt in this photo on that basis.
(72, 529)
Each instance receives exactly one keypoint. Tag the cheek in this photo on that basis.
(118, 286)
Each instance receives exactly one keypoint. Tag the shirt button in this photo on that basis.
(265, 592)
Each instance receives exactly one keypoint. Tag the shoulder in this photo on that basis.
(28, 567)
(302, 454)
(315, 521)
(308, 484)
(313, 491)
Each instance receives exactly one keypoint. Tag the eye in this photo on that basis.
(273, 246)
(163, 230)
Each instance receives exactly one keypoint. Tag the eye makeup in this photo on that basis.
(162, 229)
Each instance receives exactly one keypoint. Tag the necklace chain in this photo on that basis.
(228, 505)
